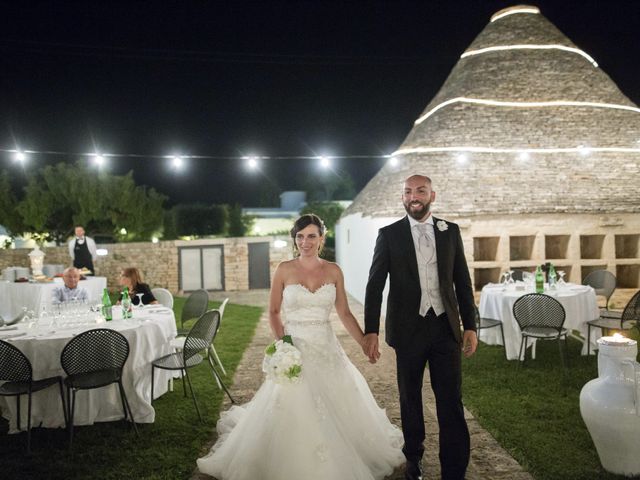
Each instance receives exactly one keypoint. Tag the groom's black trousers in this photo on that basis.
(435, 345)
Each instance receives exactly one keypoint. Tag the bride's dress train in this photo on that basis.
(326, 427)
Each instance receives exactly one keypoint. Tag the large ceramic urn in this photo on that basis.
(610, 406)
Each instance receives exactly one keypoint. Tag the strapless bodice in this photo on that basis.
(303, 306)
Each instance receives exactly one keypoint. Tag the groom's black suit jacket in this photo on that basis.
(395, 256)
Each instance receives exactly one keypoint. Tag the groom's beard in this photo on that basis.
(416, 209)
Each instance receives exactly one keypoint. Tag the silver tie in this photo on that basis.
(424, 243)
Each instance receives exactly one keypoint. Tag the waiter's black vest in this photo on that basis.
(82, 256)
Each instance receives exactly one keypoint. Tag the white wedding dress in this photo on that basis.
(326, 427)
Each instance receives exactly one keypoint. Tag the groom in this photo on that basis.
(429, 293)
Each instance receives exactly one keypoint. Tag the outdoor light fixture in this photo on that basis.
(102, 252)
(524, 156)
(325, 162)
(177, 162)
(98, 159)
(19, 156)
(252, 162)
(393, 161)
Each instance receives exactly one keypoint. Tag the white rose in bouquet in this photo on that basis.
(283, 362)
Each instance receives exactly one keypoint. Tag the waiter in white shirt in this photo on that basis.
(83, 250)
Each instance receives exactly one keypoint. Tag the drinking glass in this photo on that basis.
(140, 295)
(561, 282)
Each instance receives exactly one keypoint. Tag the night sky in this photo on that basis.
(237, 78)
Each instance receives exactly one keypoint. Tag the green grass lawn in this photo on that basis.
(534, 412)
(166, 449)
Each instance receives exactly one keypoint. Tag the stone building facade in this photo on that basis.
(531, 148)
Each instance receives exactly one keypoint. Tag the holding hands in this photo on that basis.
(370, 347)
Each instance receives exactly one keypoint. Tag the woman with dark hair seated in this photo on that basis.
(132, 279)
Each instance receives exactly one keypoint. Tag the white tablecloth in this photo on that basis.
(15, 296)
(579, 302)
(149, 333)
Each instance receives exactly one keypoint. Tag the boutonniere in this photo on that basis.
(442, 225)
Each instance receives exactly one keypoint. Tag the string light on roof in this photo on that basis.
(513, 10)
(584, 150)
(462, 159)
(498, 48)
(500, 103)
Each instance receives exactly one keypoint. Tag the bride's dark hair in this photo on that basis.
(303, 222)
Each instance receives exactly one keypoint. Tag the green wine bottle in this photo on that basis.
(126, 304)
(552, 277)
(106, 306)
(539, 280)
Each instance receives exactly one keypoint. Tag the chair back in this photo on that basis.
(603, 282)
(201, 335)
(631, 312)
(195, 306)
(222, 306)
(14, 365)
(163, 296)
(537, 310)
(517, 275)
(95, 350)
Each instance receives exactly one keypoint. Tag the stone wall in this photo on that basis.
(158, 262)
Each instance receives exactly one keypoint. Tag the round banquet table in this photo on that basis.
(579, 302)
(149, 333)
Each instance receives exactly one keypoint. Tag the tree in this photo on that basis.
(59, 197)
(10, 218)
(329, 212)
(239, 224)
(199, 220)
(330, 186)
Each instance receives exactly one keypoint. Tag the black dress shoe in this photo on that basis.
(413, 471)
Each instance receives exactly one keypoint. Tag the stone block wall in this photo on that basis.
(158, 262)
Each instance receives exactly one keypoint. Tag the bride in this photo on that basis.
(326, 427)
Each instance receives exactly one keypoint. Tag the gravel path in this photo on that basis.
(488, 459)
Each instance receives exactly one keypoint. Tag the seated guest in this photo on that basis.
(70, 291)
(132, 279)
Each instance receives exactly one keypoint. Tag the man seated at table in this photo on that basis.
(70, 291)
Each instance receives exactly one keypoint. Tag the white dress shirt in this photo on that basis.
(427, 267)
(65, 294)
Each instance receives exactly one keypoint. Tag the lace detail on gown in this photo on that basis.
(327, 427)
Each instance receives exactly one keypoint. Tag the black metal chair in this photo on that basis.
(200, 338)
(484, 323)
(625, 320)
(540, 316)
(603, 282)
(95, 359)
(17, 374)
(196, 304)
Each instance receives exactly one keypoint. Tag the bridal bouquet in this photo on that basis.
(283, 362)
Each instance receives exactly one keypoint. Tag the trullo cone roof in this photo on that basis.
(525, 123)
